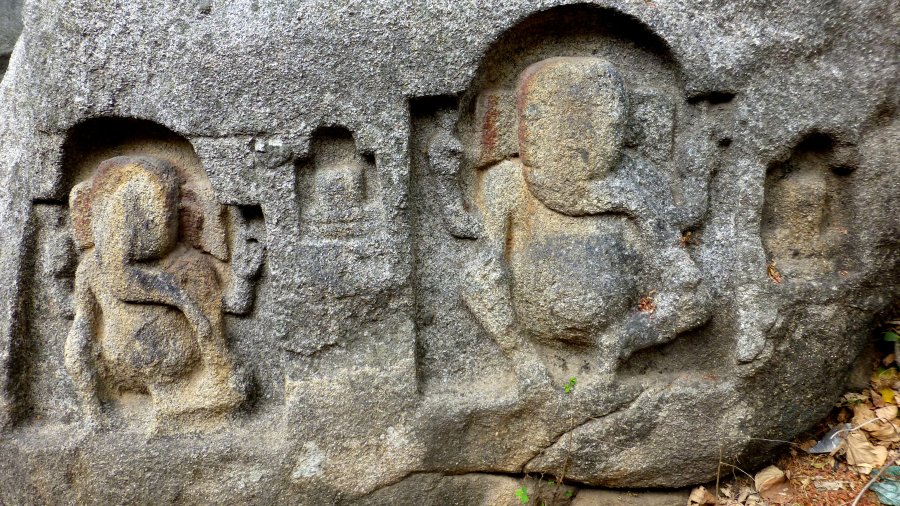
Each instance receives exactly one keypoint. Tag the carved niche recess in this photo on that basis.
(161, 261)
(562, 173)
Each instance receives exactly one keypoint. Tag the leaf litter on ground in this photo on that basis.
(845, 464)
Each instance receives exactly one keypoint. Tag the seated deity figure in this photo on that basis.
(148, 307)
(578, 249)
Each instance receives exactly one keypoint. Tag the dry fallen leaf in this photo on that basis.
(772, 485)
(884, 429)
(884, 432)
(726, 491)
(887, 413)
(749, 497)
(877, 400)
(768, 478)
(701, 497)
(888, 395)
(773, 273)
(883, 379)
(779, 494)
(755, 500)
(862, 453)
(855, 398)
(831, 485)
(862, 415)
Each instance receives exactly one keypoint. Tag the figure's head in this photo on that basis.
(134, 207)
(571, 116)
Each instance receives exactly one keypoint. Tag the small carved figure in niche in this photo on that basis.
(337, 187)
(579, 247)
(804, 218)
(151, 288)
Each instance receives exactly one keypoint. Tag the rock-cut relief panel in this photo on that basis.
(161, 261)
(341, 262)
(580, 257)
(805, 218)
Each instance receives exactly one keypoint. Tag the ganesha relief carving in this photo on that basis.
(578, 245)
(161, 261)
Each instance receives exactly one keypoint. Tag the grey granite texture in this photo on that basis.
(442, 245)
(10, 28)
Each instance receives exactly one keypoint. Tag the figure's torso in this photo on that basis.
(571, 276)
(143, 344)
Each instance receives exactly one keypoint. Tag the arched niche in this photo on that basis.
(643, 59)
(97, 139)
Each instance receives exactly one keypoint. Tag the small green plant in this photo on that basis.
(522, 494)
(568, 494)
(570, 385)
(891, 337)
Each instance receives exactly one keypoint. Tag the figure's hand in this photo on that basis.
(461, 224)
(684, 301)
(534, 384)
(248, 259)
(445, 158)
(638, 332)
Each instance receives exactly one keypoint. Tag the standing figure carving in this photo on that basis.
(578, 243)
(150, 290)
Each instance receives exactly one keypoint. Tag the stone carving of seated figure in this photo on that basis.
(336, 202)
(148, 307)
(573, 232)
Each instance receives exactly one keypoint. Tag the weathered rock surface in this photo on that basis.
(10, 27)
(387, 252)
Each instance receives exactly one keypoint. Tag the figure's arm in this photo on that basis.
(444, 161)
(247, 254)
(145, 284)
(634, 190)
(682, 301)
(487, 286)
(486, 289)
(59, 265)
(142, 283)
(79, 353)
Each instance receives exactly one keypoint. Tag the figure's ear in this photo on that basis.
(202, 221)
(495, 116)
(80, 202)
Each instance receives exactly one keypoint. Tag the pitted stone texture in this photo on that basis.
(10, 27)
(395, 341)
